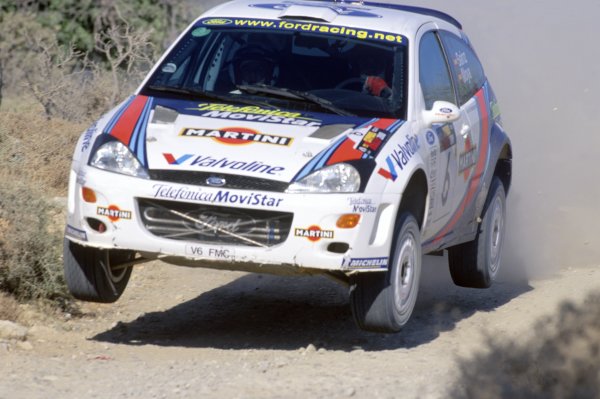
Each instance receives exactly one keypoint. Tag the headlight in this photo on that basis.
(338, 178)
(114, 156)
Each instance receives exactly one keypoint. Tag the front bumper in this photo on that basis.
(209, 226)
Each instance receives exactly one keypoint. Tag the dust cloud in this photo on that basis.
(544, 68)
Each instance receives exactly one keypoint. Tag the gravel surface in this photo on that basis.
(181, 332)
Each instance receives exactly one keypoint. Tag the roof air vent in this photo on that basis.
(311, 13)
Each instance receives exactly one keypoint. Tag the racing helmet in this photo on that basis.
(254, 64)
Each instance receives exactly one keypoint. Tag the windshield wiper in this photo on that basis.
(205, 95)
(295, 95)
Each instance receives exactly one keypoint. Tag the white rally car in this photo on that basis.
(307, 137)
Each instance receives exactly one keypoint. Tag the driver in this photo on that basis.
(254, 65)
(372, 73)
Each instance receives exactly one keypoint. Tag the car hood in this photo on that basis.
(247, 140)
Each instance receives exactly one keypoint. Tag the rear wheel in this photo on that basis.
(96, 275)
(475, 264)
(383, 302)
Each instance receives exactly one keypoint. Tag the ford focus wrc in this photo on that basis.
(299, 137)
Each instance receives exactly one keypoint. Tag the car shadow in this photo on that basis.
(289, 313)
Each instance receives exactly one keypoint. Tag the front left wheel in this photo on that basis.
(383, 302)
(96, 275)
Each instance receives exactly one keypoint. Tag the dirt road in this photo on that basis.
(180, 332)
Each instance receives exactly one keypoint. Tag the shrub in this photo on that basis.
(30, 242)
(562, 360)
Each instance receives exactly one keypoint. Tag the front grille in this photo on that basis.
(214, 224)
(232, 181)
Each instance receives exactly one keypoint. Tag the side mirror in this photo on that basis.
(442, 112)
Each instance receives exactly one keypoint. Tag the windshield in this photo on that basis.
(293, 68)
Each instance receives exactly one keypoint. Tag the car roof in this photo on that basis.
(419, 10)
(384, 15)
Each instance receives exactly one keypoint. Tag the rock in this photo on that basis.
(310, 349)
(14, 331)
(26, 346)
(41, 331)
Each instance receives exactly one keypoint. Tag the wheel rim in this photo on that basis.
(497, 235)
(116, 273)
(404, 275)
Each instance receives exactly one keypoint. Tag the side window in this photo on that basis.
(466, 68)
(433, 72)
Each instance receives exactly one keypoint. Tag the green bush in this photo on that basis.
(30, 242)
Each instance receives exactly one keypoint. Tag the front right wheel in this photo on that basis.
(96, 275)
(384, 301)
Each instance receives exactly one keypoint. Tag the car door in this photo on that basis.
(471, 137)
(442, 140)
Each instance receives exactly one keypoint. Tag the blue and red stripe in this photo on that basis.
(124, 125)
(343, 148)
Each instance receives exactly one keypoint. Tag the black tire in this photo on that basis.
(475, 264)
(91, 274)
(383, 302)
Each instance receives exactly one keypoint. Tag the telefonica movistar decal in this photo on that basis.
(255, 114)
(166, 191)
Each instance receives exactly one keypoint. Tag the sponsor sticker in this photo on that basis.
(400, 157)
(196, 194)
(314, 233)
(221, 163)
(254, 113)
(75, 233)
(87, 136)
(113, 213)
(446, 136)
(362, 205)
(313, 27)
(467, 159)
(430, 136)
(368, 263)
(217, 21)
(237, 136)
(372, 141)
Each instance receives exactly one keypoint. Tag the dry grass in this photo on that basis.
(9, 308)
(35, 149)
(35, 154)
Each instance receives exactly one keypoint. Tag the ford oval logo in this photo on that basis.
(216, 181)
(217, 21)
